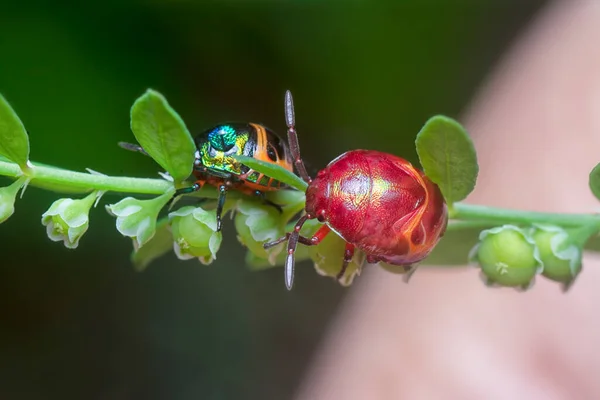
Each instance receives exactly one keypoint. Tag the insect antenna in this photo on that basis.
(290, 120)
(133, 147)
(291, 249)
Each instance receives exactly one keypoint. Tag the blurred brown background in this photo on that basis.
(364, 74)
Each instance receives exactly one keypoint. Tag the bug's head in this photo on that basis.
(317, 195)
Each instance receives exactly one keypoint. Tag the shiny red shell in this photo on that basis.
(381, 204)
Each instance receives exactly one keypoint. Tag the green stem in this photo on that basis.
(471, 212)
(64, 180)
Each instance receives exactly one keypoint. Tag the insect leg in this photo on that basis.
(293, 238)
(191, 189)
(220, 204)
(348, 254)
(133, 147)
(290, 120)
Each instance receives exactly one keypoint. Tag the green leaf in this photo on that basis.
(448, 157)
(14, 142)
(161, 243)
(594, 181)
(274, 171)
(163, 134)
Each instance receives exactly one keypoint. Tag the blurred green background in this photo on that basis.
(364, 74)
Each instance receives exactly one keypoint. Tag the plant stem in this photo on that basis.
(471, 212)
(46, 176)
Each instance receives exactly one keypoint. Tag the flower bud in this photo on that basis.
(328, 257)
(195, 234)
(561, 255)
(137, 218)
(8, 195)
(257, 223)
(68, 219)
(507, 257)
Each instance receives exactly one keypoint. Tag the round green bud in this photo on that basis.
(560, 255)
(328, 257)
(507, 256)
(257, 223)
(195, 234)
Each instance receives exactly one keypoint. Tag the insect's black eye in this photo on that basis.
(271, 153)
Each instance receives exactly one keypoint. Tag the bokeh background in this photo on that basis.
(364, 74)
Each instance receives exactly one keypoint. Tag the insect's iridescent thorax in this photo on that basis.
(217, 147)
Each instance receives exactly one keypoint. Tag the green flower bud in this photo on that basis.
(137, 218)
(195, 234)
(560, 254)
(328, 257)
(8, 195)
(257, 223)
(67, 219)
(507, 257)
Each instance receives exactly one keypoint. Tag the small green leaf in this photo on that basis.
(594, 181)
(163, 134)
(274, 171)
(14, 142)
(161, 243)
(448, 157)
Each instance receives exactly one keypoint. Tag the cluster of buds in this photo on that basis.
(512, 256)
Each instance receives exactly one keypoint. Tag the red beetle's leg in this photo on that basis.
(348, 254)
(293, 238)
(290, 120)
(312, 241)
(371, 259)
(301, 239)
(320, 235)
(410, 270)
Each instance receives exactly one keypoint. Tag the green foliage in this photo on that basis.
(448, 157)
(594, 181)
(507, 251)
(274, 171)
(163, 135)
(14, 141)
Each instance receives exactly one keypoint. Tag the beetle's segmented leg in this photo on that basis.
(194, 188)
(348, 254)
(371, 259)
(133, 147)
(301, 239)
(220, 204)
(290, 120)
(410, 270)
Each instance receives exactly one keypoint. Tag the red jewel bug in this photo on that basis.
(375, 201)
